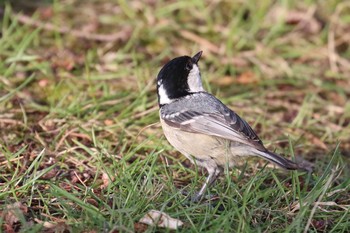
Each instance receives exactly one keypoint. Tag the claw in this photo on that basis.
(199, 196)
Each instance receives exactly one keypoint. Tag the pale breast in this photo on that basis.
(204, 147)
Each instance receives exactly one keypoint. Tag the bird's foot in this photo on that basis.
(208, 200)
(199, 197)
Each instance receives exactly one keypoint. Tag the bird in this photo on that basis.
(201, 127)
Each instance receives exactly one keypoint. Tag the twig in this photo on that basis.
(331, 50)
(205, 44)
(11, 160)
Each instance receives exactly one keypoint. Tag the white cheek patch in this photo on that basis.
(194, 80)
(163, 96)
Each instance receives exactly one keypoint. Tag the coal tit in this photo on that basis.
(201, 127)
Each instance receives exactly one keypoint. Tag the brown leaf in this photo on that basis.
(224, 81)
(62, 58)
(53, 227)
(319, 143)
(92, 202)
(65, 186)
(106, 180)
(8, 228)
(13, 213)
(108, 122)
(247, 78)
(140, 227)
(43, 82)
(45, 13)
(52, 173)
(320, 225)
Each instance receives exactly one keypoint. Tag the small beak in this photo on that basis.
(196, 57)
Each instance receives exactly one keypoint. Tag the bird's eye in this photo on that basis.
(189, 66)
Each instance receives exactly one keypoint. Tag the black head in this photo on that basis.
(178, 78)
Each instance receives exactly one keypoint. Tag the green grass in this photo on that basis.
(80, 147)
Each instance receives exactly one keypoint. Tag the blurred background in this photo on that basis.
(283, 65)
(77, 78)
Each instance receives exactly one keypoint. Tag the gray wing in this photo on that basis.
(225, 124)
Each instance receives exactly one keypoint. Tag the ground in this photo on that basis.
(81, 145)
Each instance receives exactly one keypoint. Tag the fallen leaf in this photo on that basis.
(161, 219)
(62, 59)
(244, 78)
(224, 81)
(92, 202)
(106, 180)
(53, 227)
(43, 82)
(247, 78)
(13, 213)
(320, 225)
(108, 122)
(52, 173)
(45, 13)
(140, 227)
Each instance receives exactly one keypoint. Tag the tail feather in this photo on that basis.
(281, 161)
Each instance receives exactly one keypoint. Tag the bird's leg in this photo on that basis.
(213, 175)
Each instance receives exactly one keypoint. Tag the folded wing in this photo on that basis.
(225, 124)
